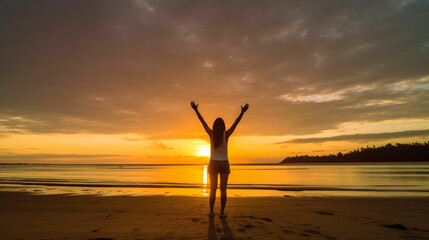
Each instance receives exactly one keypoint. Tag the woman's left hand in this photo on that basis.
(244, 109)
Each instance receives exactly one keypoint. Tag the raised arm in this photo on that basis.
(206, 127)
(232, 128)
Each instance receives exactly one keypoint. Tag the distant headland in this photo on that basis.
(399, 152)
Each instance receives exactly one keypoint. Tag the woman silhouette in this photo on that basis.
(219, 163)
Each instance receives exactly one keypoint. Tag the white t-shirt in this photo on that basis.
(221, 152)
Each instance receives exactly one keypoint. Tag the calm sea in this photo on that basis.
(397, 179)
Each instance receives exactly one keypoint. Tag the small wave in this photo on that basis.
(202, 186)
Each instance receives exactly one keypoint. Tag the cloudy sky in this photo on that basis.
(111, 81)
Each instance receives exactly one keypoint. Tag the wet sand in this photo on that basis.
(25, 216)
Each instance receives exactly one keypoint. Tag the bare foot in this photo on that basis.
(211, 214)
(222, 215)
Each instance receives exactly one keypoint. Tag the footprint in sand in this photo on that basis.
(312, 231)
(248, 225)
(315, 232)
(267, 219)
(411, 236)
(395, 226)
(96, 230)
(195, 219)
(324, 213)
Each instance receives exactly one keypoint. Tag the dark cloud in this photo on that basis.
(360, 137)
(133, 66)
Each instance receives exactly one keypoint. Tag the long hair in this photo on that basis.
(218, 132)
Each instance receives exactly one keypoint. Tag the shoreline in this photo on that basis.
(249, 164)
(138, 191)
(29, 216)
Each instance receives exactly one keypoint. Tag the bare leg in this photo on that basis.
(223, 185)
(213, 188)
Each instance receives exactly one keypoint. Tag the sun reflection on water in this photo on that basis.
(205, 180)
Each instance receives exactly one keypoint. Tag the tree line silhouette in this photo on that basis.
(399, 152)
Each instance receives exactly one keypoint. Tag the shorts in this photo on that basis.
(216, 166)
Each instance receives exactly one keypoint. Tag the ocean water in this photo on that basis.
(375, 180)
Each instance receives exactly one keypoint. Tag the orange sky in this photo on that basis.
(111, 82)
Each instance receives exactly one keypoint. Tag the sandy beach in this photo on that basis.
(25, 216)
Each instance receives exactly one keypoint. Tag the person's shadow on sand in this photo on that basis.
(226, 229)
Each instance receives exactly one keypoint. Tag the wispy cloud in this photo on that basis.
(45, 156)
(324, 97)
(360, 137)
(160, 146)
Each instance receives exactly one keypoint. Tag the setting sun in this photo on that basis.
(203, 151)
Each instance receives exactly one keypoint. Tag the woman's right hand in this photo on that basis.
(194, 106)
